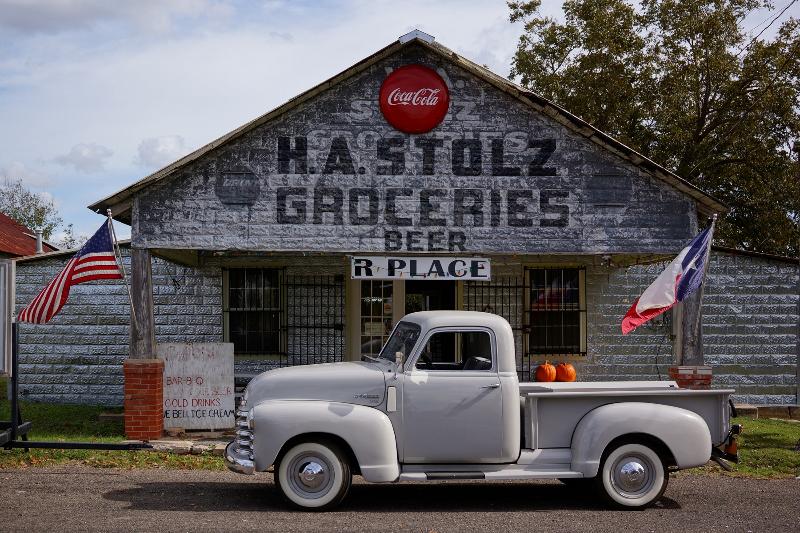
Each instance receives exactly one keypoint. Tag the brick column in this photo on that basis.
(691, 377)
(144, 373)
(144, 393)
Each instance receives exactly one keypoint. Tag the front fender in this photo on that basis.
(367, 431)
(685, 433)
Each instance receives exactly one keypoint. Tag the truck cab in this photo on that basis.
(442, 401)
(458, 386)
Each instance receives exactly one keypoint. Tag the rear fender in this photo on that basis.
(367, 431)
(684, 433)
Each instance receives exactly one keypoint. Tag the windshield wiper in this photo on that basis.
(370, 358)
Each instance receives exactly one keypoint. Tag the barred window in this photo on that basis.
(252, 309)
(556, 310)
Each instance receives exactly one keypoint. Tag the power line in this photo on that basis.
(790, 4)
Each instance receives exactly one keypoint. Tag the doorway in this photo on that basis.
(430, 296)
(375, 306)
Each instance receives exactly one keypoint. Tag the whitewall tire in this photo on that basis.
(314, 475)
(632, 476)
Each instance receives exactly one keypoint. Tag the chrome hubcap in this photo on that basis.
(633, 476)
(312, 475)
(309, 475)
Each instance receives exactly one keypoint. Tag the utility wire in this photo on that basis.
(790, 4)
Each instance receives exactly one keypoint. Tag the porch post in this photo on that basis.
(691, 371)
(144, 372)
(692, 326)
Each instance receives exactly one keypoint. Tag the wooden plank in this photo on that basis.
(143, 340)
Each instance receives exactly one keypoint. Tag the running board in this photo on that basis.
(490, 473)
(435, 476)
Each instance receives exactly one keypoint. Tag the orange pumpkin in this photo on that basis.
(545, 372)
(565, 372)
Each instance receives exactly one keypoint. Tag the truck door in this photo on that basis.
(452, 400)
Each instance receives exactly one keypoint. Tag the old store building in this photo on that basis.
(304, 235)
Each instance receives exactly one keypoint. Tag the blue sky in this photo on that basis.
(96, 94)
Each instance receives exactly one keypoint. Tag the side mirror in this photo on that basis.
(398, 360)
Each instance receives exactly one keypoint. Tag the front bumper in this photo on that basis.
(235, 462)
(239, 453)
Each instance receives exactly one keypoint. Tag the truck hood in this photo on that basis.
(351, 382)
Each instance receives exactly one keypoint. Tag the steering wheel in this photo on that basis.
(427, 360)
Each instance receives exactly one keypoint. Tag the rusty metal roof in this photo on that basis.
(17, 240)
(120, 202)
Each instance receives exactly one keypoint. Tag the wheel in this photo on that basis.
(632, 476)
(314, 475)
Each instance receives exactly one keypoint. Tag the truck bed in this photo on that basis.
(551, 411)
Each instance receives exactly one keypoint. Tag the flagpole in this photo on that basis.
(117, 250)
(696, 326)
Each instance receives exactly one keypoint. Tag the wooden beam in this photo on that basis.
(143, 339)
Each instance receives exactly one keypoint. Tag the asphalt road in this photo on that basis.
(76, 498)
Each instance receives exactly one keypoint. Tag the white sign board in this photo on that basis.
(420, 268)
(198, 385)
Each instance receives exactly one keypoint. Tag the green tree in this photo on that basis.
(70, 240)
(682, 82)
(28, 208)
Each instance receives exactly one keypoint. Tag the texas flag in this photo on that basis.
(681, 278)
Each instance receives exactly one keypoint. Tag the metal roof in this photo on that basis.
(120, 202)
(17, 240)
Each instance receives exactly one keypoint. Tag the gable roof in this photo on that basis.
(17, 240)
(120, 202)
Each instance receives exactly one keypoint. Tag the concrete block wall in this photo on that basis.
(750, 327)
(77, 357)
(645, 354)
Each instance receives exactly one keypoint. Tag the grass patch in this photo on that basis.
(56, 422)
(767, 449)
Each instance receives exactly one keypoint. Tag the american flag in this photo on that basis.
(95, 260)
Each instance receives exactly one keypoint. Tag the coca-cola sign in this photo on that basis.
(414, 99)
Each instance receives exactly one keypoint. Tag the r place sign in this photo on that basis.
(421, 268)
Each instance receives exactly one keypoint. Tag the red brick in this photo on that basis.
(144, 398)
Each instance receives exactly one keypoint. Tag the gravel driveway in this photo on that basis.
(73, 498)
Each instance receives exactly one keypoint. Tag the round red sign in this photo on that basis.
(414, 99)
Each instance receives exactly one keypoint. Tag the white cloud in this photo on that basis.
(157, 152)
(31, 177)
(54, 16)
(85, 157)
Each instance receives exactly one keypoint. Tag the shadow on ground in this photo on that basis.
(401, 497)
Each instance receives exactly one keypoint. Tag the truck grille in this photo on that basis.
(243, 445)
(239, 453)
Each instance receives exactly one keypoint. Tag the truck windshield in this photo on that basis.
(403, 339)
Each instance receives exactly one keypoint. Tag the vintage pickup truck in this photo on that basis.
(442, 402)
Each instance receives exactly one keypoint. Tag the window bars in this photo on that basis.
(546, 308)
(280, 319)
